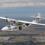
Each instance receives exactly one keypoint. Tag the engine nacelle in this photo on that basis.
(8, 20)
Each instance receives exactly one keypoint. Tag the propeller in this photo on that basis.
(6, 18)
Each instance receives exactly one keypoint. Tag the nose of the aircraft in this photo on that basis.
(4, 28)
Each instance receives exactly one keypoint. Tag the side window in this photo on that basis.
(23, 25)
(15, 28)
(9, 28)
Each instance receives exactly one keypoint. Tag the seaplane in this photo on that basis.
(20, 24)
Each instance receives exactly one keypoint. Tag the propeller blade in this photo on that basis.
(6, 16)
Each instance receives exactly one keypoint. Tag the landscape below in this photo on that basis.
(33, 35)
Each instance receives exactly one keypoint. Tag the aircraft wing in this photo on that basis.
(21, 21)
(2, 18)
(33, 23)
(7, 19)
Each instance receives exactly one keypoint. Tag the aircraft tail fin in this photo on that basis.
(37, 18)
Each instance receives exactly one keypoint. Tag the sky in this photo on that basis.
(21, 3)
(22, 8)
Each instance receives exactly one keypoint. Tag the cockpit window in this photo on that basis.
(8, 26)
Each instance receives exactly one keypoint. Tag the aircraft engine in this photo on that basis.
(8, 20)
(14, 22)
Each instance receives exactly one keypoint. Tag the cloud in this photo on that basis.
(41, 4)
(21, 3)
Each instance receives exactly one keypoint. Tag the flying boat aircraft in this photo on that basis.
(20, 24)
